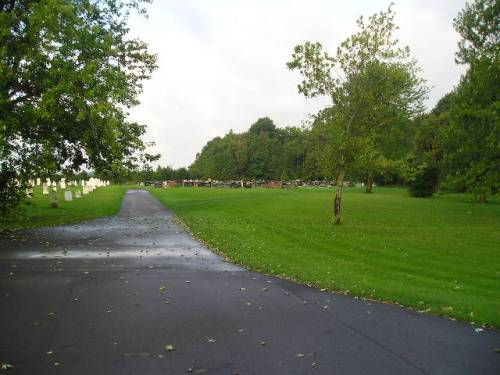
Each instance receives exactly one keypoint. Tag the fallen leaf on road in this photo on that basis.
(5, 366)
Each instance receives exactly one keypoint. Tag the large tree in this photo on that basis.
(473, 144)
(371, 81)
(68, 74)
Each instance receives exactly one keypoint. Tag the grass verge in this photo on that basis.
(104, 201)
(439, 255)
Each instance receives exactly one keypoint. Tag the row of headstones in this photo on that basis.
(87, 187)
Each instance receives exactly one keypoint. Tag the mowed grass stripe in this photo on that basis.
(441, 254)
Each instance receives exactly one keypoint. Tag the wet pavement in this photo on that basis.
(107, 296)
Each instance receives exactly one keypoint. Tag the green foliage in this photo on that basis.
(424, 164)
(479, 26)
(438, 255)
(11, 195)
(263, 152)
(69, 74)
(373, 84)
(423, 180)
(472, 159)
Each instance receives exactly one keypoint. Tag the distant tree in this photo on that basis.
(68, 73)
(294, 151)
(424, 164)
(370, 80)
(257, 153)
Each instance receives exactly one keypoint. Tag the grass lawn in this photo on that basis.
(440, 254)
(104, 201)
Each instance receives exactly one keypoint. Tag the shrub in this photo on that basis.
(423, 180)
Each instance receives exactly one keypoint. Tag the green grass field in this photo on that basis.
(439, 255)
(104, 201)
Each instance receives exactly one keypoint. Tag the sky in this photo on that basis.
(222, 63)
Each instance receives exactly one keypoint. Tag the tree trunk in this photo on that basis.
(369, 184)
(338, 198)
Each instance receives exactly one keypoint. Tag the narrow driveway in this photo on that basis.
(107, 296)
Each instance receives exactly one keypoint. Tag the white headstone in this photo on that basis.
(68, 195)
(38, 181)
(63, 184)
(85, 190)
(45, 189)
(78, 194)
(47, 180)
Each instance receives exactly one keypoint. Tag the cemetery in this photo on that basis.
(248, 184)
(249, 187)
(56, 202)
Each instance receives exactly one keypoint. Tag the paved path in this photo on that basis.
(91, 299)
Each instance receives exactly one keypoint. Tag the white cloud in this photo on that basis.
(222, 63)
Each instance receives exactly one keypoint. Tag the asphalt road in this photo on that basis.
(107, 296)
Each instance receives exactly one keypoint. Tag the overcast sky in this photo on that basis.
(222, 63)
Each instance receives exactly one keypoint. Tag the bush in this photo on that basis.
(12, 194)
(423, 180)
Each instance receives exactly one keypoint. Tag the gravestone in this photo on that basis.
(78, 194)
(68, 195)
(30, 192)
(85, 190)
(38, 181)
(45, 189)
(63, 183)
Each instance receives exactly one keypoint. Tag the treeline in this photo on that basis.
(268, 152)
